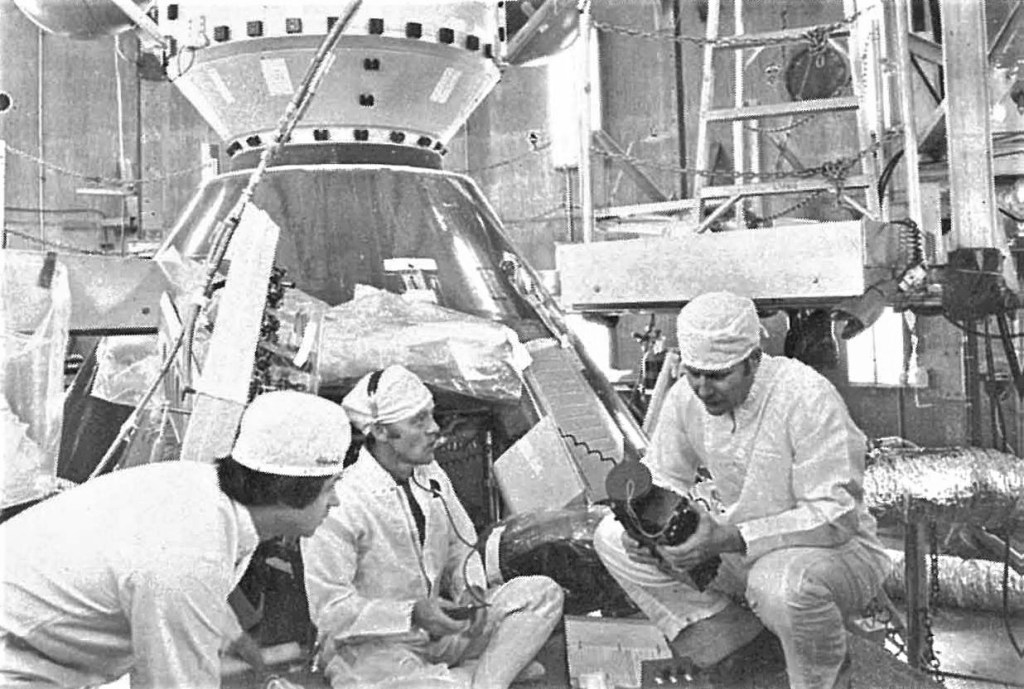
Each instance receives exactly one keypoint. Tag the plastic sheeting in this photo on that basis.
(559, 544)
(125, 368)
(447, 349)
(31, 408)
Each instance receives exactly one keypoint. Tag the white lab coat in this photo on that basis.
(127, 573)
(365, 569)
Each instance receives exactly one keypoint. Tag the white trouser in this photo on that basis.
(803, 595)
(521, 615)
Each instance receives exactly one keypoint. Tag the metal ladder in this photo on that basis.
(871, 102)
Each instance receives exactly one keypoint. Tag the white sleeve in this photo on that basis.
(177, 627)
(827, 478)
(671, 458)
(330, 561)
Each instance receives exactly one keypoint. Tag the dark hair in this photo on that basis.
(359, 440)
(256, 488)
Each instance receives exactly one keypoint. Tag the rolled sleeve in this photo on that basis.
(827, 475)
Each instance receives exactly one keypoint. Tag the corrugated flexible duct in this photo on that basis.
(979, 487)
(971, 485)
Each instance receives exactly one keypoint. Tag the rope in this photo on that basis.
(537, 145)
(49, 243)
(546, 215)
(98, 179)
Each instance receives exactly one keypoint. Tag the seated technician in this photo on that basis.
(385, 575)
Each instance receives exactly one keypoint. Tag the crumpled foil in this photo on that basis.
(973, 485)
(447, 349)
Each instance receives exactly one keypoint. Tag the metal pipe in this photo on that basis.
(739, 154)
(41, 175)
(586, 183)
(915, 574)
(677, 55)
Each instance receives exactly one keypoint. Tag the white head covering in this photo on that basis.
(717, 330)
(292, 433)
(400, 394)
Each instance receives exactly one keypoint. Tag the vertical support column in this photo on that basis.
(916, 576)
(707, 94)
(969, 132)
(586, 183)
(739, 153)
(3, 194)
(904, 91)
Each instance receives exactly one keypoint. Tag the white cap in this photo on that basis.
(400, 394)
(292, 433)
(717, 330)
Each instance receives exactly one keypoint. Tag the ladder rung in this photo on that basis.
(753, 40)
(787, 186)
(753, 112)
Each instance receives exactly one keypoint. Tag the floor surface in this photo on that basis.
(973, 647)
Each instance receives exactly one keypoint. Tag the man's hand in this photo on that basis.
(711, 538)
(246, 648)
(638, 552)
(428, 615)
(474, 595)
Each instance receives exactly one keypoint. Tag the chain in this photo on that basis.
(818, 40)
(834, 170)
(794, 207)
(810, 35)
(49, 243)
(799, 122)
(929, 657)
(99, 179)
(894, 639)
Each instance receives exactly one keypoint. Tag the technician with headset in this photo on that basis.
(396, 589)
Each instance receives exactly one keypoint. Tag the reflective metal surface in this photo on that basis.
(341, 223)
